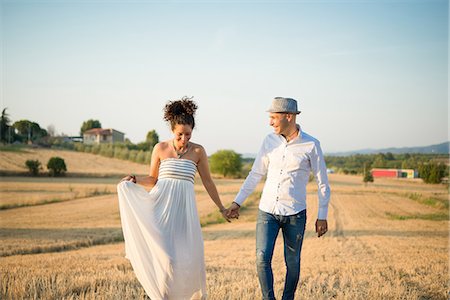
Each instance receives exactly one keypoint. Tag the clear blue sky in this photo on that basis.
(367, 74)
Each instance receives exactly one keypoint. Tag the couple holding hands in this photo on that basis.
(161, 228)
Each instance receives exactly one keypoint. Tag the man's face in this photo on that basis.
(279, 122)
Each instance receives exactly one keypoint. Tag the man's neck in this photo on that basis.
(291, 133)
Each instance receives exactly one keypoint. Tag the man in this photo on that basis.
(287, 157)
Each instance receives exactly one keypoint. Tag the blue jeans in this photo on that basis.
(267, 228)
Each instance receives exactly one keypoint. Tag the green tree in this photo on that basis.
(409, 163)
(226, 162)
(367, 174)
(6, 132)
(432, 172)
(379, 161)
(143, 146)
(152, 138)
(389, 156)
(29, 131)
(368, 177)
(89, 124)
(33, 166)
(56, 166)
(245, 169)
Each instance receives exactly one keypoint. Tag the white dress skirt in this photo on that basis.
(163, 238)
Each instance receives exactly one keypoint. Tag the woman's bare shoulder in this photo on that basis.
(197, 147)
(162, 145)
(160, 149)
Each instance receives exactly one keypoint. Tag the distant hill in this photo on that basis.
(442, 148)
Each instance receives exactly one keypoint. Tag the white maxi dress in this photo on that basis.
(163, 238)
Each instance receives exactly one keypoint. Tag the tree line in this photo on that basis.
(30, 132)
(431, 167)
(21, 131)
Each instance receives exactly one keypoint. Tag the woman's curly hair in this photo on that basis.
(180, 112)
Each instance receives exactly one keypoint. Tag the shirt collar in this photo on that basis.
(299, 136)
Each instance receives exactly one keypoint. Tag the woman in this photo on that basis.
(163, 238)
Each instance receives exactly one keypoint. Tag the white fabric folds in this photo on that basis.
(163, 238)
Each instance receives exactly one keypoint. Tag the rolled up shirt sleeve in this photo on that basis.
(319, 170)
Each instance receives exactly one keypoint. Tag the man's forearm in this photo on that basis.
(248, 187)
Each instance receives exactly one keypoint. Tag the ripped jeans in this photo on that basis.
(267, 228)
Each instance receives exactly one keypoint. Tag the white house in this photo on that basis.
(103, 136)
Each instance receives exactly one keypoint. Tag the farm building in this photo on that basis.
(102, 136)
(394, 173)
(409, 173)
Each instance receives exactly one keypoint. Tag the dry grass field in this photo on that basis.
(76, 162)
(387, 240)
(35, 192)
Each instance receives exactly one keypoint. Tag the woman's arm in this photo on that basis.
(152, 178)
(205, 175)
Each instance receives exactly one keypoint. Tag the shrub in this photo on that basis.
(33, 166)
(95, 149)
(148, 157)
(124, 153)
(106, 150)
(79, 147)
(87, 149)
(56, 166)
(432, 172)
(132, 155)
(140, 157)
(368, 177)
(226, 162)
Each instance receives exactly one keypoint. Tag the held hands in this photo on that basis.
(233, 211)
(230, 213)
(321, 227)
(131, 178)
(224, 213)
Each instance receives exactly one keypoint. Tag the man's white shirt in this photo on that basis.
(287, 166)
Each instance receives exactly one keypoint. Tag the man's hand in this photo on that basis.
(321, 227)
(233, 211)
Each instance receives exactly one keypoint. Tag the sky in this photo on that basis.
(366, 74)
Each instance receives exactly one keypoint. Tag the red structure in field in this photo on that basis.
(394, 173)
